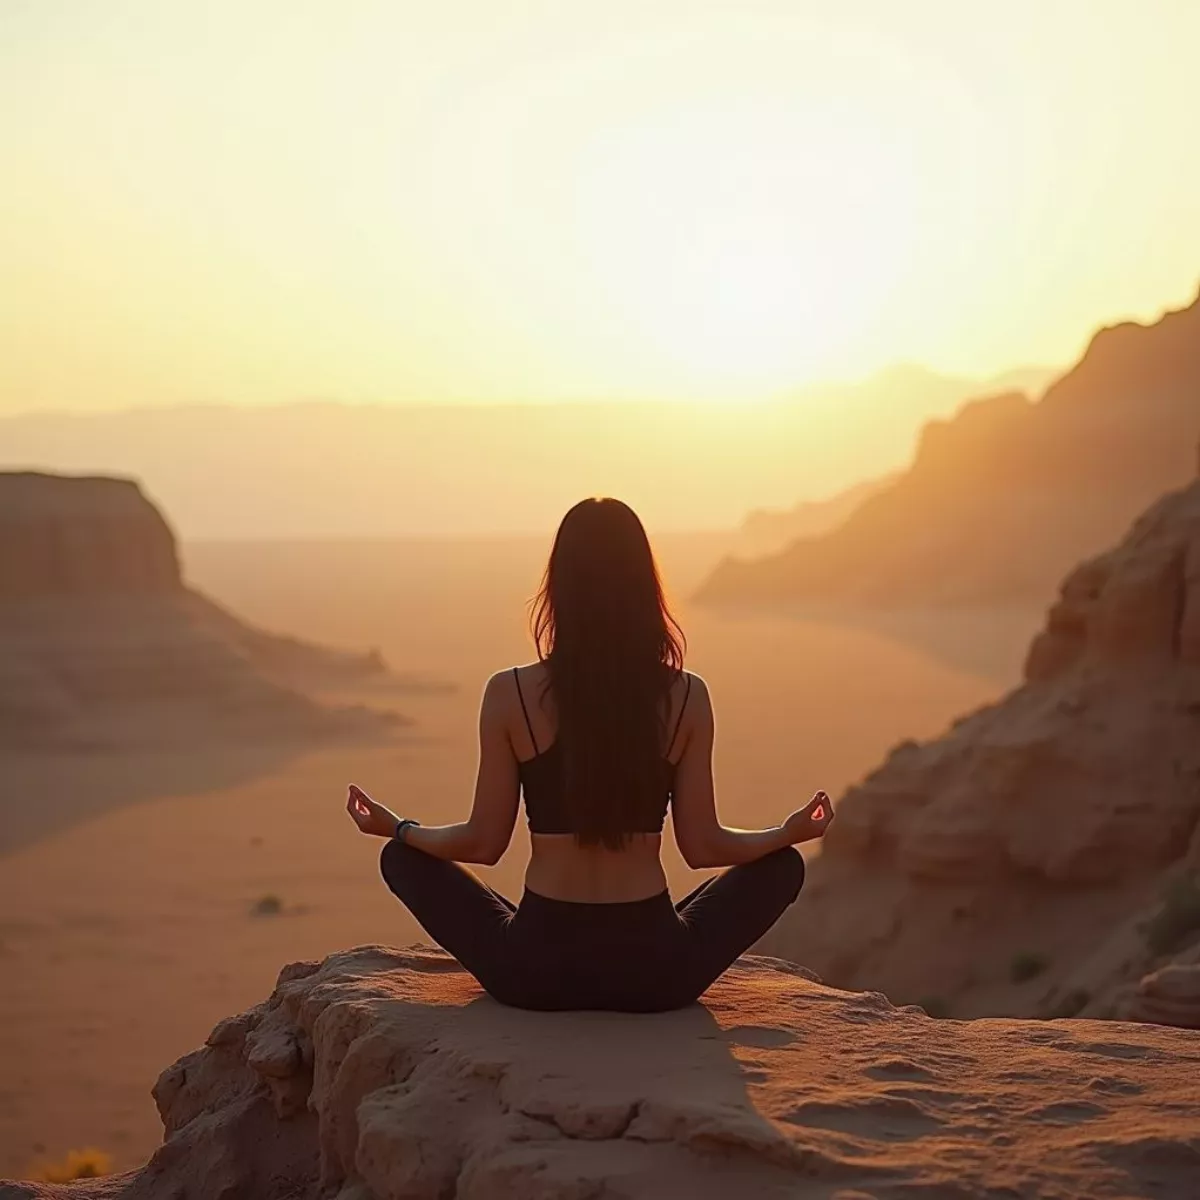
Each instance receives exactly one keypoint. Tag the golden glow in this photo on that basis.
(481, 199)
(734, 258)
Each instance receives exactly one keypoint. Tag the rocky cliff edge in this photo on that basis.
(383, 1073)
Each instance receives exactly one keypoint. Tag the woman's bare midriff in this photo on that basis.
(562, 869)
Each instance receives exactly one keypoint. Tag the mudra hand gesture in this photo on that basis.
(810, 822)
(369, 815)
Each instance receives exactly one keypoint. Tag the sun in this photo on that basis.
(702, 217)
(747, 246)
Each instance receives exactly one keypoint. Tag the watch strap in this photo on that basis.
(402, 828)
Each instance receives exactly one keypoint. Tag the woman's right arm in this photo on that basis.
(703, 840)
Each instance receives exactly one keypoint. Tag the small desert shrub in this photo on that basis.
(935, 1006)
(1026, 965)
(1178, 917)
(78, 1164)
(1071, 1004)
(269, 905)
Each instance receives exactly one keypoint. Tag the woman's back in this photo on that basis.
(561, 866)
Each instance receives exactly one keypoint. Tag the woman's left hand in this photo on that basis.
(370, 816)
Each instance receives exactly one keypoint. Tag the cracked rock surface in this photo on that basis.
(383, 1074)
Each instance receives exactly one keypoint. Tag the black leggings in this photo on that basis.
(631, 956)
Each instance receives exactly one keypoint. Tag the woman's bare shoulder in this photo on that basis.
(521, 683)
(532, 671)
(528, 675)
(693, 686)
(690, 701)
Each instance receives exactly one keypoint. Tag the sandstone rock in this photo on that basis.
(1169, 996)
(1053, 812)
(102, 646)
(1189, 623)
(417, 1087)
(1003, 496)
(1131, 604)
(63, 535)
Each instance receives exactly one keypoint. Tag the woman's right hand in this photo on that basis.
(369, 815)
(809, 822)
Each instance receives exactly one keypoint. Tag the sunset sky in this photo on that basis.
(255, 201)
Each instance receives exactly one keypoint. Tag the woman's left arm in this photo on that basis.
(485, 835)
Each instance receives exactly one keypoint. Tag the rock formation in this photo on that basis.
(103, 646)
(1004, 496)
(81, 536)
(385, 1074)
(1025, 861)
(768, 530)
(1168, 996)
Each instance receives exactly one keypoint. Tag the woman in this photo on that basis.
(600, 734)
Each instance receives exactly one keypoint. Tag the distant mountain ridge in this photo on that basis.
(332, 470)
(770, 529)
(1006, 494)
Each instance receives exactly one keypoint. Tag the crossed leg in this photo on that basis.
(728, 913)
(719, 920)
(458, 911)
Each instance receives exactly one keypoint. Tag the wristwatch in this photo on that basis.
(402, 828)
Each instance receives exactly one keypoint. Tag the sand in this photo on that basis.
(145, 879)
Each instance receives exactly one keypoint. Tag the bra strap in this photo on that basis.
(528, 723)
(679, 720)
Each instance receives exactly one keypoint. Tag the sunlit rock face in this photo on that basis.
(103, 646)
(1051, 821)
(82, 536)
(1002, 498)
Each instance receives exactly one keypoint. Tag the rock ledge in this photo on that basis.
(383, 1073)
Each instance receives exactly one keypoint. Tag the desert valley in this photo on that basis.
(599, 601)
(174, 774)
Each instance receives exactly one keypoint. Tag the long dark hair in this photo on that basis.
(612, 651)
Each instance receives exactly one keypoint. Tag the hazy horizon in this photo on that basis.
(344, 471)
(1028, 377)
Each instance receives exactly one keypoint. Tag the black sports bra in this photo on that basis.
(542, 779)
